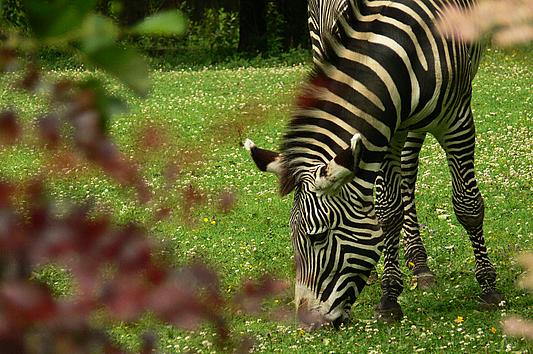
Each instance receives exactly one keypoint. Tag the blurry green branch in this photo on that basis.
(75, 27)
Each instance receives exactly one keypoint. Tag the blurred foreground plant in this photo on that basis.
(114, 274)
(510, 22)
(115, 271)
(514, 325)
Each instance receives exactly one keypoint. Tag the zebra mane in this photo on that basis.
(324, 20)
(299, 128)
(307, 99)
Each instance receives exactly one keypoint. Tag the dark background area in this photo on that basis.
(217, 29)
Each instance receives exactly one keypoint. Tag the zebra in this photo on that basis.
(388, 72)
(322, 23)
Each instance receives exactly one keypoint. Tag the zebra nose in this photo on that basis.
(310, 319)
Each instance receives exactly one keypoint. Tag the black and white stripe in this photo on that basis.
(322, 22)
(386, 78)
(323, 17)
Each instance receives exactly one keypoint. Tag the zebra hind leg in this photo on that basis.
(469, 209)
(415, 252)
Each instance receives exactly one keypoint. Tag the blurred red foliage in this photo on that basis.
(113, 270)
(10, 128)
(91, 247)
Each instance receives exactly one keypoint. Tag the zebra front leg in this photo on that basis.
(389, 209)
(469, 208)
(415, 252)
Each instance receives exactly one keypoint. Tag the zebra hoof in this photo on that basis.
(491, 300)
(425, 281)
(388, 311)
(339, 322)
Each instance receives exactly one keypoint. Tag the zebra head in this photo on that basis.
(336, 236)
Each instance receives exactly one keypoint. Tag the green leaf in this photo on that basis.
(56, 18)
(97, 32)
(164, 23)
(125, 64)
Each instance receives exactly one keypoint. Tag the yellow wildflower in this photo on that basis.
(459, 319)
(213, 222)
(206, 219)
(493, 330)
(410, 264)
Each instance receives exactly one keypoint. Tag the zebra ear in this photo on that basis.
(341, 169)
(265, 160)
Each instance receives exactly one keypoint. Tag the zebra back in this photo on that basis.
(386, 68)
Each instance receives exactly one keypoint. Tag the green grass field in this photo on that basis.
(205, 114)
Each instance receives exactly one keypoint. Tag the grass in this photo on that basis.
(205, 114)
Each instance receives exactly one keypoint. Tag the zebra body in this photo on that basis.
(323, 15)
(387, 72)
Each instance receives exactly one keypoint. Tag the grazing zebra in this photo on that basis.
(388, 72)
(322, 22)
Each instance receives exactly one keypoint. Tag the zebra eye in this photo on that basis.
(322, 171)
(318, 237)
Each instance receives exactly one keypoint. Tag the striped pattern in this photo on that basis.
(322, 25)
(415, 252)
(388, 77)
(323, 15)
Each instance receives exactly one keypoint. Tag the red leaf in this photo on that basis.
(61, 90)
(135, 255)
(12, 235)
(144, 192)
(31, 79)
(74, 314)
(163, 213)
(10, 129)
(177, 303)
(6, 192)
(191, 197)
(26, 303)
(88, 130)
(148, 343)
(198, 276)
(171, 172)
(8, 59)
(62, 163)
(151, 138)
(86, 275)
(156, 274)
(253, 293)
(126, 297)
(110, 246)
(49, 126)
(227, 201)
(85, 100)
(54, 241)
